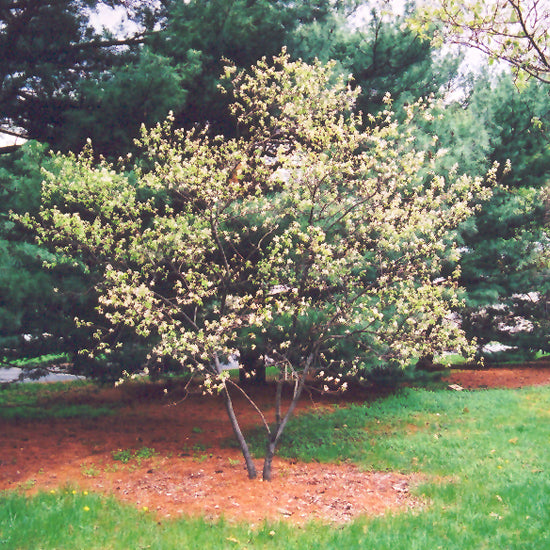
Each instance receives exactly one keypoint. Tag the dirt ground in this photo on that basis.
(194, 470)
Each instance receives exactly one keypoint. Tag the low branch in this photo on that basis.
(6, 149)
(251, 401)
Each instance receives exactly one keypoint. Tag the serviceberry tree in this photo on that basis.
(308, 237)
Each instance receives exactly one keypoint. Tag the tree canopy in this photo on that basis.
(318, 241)
(513, 31)
(104, 87)
(64, 81)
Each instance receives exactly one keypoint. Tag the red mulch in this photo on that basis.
(194, 472)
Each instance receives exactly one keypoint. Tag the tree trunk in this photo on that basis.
(426, 363)
(239, 435)
(268, 462)
(279, 428)
(235, 425)
(6, 149)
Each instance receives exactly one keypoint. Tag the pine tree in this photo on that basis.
(506, 277)
(48, 49)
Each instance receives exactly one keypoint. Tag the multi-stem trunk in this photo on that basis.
(235, 425)
(281, 422)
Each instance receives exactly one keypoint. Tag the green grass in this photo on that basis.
(483, 456)
(30, 393)
(23, 412)
(126, 455)
(450, 359)
(44, 360)
(35, 400)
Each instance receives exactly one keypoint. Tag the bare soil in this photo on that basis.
(510, 377)
(195, 470)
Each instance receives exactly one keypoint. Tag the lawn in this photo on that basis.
(482, 456)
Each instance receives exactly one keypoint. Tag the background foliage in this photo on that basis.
(64, 81)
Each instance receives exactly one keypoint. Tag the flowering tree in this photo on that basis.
(514, 31)
(308, 239)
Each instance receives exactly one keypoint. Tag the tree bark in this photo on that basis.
(279, 428)
(239, 435)
(251, 469)
(268, 461)
(6, 149)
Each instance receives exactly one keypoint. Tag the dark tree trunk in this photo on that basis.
(235, 425)
(281, 422)
(426, 362)
(6, 149)
(239, 435)
(268, 461)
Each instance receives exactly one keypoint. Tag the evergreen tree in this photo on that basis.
(38, 305)
(114, 103)
(507, 282)
(33, 317)
(63, 82)
(383, 55)
(48, 48)
(200, 35)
